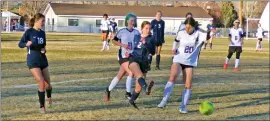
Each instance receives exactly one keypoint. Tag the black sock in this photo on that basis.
(143, 84)
(211, 45)
(49, 93)
(150, 59)
(205, 45)
(134, 96)
(41, 96)
(157, 60)
(109, 41)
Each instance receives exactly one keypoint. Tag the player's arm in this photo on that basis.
(230, 36)
(43, 49)
(25, 38)
(176, 43)
(151, 46)
(242, 37)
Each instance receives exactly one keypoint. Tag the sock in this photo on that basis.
(134, 96)
(157, 60)
(150, 59)
(227, 60)
(211, 45)
(113, 83)
(205, 45)
(143, 84)
(167, 91)
(185, 97)
(41, 96)
(49, 93)
(257, 46)
(109, 41)
(237, 61)
(104, 45)
(129, 83)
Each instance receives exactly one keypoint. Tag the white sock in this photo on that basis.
(104, 45)
(107, 45)
(227, 60)
(185, 97)
(129, 83)
(113, 83)
(257, 46)
(237, 61)
(167, 91)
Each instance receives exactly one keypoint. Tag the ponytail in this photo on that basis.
(31, 22)
(34, 19)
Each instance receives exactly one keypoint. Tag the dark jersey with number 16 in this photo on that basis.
(34, 57)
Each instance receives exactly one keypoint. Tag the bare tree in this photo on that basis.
(30, 8)
(253, 9)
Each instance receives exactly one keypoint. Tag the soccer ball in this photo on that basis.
(206, 108)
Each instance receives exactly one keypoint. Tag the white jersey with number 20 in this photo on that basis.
(189, 47)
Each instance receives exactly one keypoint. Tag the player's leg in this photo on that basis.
(107, 41)
(37, 73)
(48, 86)
(205, 44)
(230, 53)
(211, 39)
(109, 38)
(158, 57)
(114, 82)
(237, 60)
(103, 37)
(140, 82)
(170, 84)
(129, 80)
(260, 44)
(187, 90)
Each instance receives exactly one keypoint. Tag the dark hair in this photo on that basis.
(145, 23)
(159, 11)
(128, 16)
(35, 18)
(105, 15)
(191, 21)
(189, 14)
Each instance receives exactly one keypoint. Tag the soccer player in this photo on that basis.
(183, 26)
(105, 31)
(34, 39)
(113, 28)
(236, 42)
(158, 26)
(124, 38)
(259, 36)
(210, 34)
(144, 45)
(186, 48)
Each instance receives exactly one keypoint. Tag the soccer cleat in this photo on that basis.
(42, 110)
(183, 110)
(225, 66)
(151, 84)
(102, 50)
(49, 100)
(235, 69)
(133, 104)
(162, 104)
(157, 68)
(128, 95)
(107, 95)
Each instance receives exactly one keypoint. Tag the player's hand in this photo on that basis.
(174, 51)
(125, 46)
(43, 50)
(28, 44)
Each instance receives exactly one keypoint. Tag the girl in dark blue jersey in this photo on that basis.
(34, 39)
(139, 62)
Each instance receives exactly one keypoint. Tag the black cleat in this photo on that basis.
(128, 95)
(133, 104)
(151, 84)
(107, 95)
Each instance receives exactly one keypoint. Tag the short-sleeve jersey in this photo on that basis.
(189, 47)
(259, 33)
(158, 28)
(105, 25)
(126, 36)
(236, 37)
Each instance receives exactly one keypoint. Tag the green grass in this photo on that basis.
(235, 95)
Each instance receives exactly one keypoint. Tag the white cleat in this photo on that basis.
(183, 110)
(162, 104)
(42, 110)
(49, 101)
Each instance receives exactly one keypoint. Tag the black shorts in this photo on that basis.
(260, 39)
(104, 31)
(144, 65)
(185, 66)
(123, 60)
(38, 65)
(233, 49)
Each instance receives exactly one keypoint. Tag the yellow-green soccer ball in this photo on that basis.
(206, 108)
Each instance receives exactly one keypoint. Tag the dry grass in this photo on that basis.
(241, 95)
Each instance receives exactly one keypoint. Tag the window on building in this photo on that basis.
(48, 21)
(98, 23)
(121, 23)
(52, 21)
(73, 22)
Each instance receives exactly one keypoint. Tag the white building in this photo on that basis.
(86, 17)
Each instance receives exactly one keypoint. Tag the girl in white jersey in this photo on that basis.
(236, 42)
(104, 32)
(124, 38)
(259, 36)
(186, 48)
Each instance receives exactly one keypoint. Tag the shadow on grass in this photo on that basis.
(260, 116)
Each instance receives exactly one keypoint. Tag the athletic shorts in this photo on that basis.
(260, 39)
(123, 60)
(233, 49)
(104, 34)
(144, 65)
(185, 66)
(41, 65)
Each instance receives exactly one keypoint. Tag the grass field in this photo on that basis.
(80, 73)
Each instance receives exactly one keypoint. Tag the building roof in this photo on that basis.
(121, 10)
